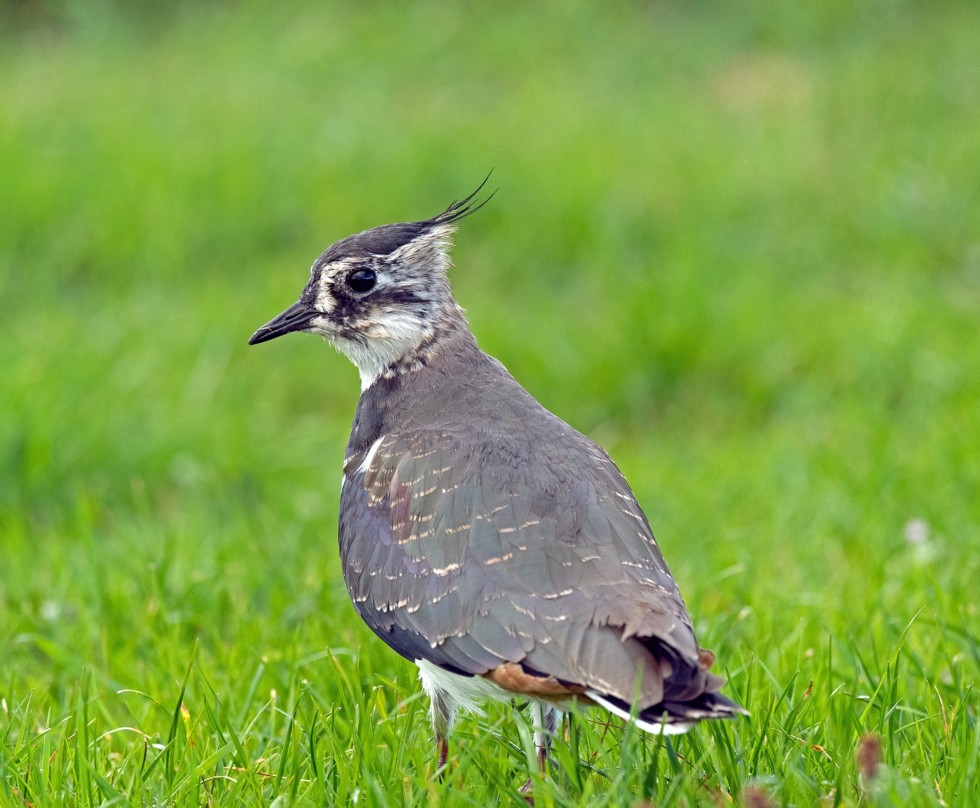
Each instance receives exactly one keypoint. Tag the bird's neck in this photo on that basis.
(410, 390)
(406, 347)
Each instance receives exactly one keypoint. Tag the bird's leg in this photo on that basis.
(441, 711)
(545, 724)
(544, 721)
(442, 752)
(544, 737)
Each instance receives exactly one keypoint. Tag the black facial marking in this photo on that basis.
(398, 297)
(346, 305)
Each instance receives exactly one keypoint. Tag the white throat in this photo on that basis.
(385, 345)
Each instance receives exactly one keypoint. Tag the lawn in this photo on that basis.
(737, 244)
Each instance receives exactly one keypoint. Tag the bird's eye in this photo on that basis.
(362, 280)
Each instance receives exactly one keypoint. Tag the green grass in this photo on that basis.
(738, 245)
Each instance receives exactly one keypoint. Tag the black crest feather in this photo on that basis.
(460, 209)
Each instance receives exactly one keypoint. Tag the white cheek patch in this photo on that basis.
(321, 325)
(399, 326)
(324, 295)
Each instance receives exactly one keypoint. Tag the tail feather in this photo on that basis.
(671, 717)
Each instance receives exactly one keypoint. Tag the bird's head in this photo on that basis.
(382, 295)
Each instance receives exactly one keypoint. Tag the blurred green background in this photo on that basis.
(737, 244)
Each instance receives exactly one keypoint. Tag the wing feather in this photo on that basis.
(474, 549)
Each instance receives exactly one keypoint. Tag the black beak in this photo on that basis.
(295, 318)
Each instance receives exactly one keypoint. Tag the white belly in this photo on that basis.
(462, 692)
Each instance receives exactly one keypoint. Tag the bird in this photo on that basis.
(482, 537)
